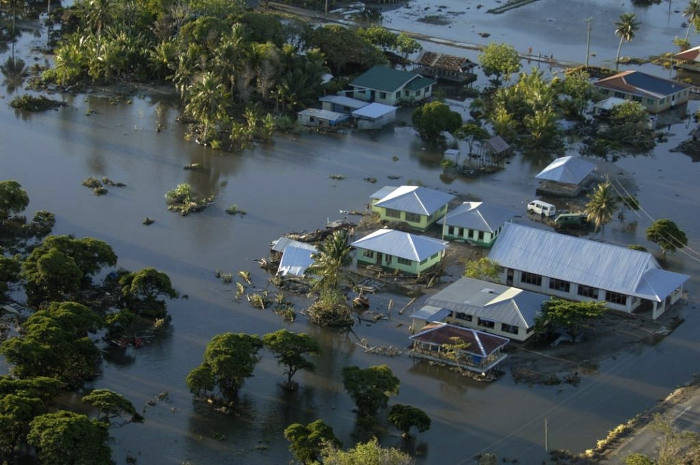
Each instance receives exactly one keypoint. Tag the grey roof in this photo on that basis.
(401, 244)
(596, 264)
(497, 145)
(383, 192)
(278, 245)
(374, 111)
(415, 199)
(430, 313)
(344, 101)
(490, 301)
(567, 170)
(610, 103)
(295, 261)
(478, 215)
(384, 78)
(323, 114)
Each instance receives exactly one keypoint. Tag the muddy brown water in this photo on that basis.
(285, 186)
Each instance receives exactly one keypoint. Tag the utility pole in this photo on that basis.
(588, 39)
(326, 8)
(546, 435)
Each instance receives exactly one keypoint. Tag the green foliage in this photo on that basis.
(333, 254)
(9, 273)
(13, 199)
(625, 28)
(667, 235)
(69, 438)
(500, 61)
(110, 404)
(405, 417)
(141, 290)
(601, 205)
(228, 359)
(121, 323)
(638, 247)
(628, 129)
(570, 315)
(472, 132)
(430, 119)
(54, 343)
(638, 459)
(390, 41)
(289, 349)
(32, 103)
(369, 453)
(577, 86)
(692, 14)
(346, 51)
(370, 388)
(483, 268)
(307, 441)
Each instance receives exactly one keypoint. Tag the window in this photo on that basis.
(559, 285)
(486, 323)
(368, 253)
(481, 235)
(463, 316)
(451, 230)
(615, 298)
(650, 101)
(587, 291)
(509, 328)
(637, 99)
(403, 261)
(393, 213)
(412, 217)
(531, 278)
(382, 95)
(619, 95)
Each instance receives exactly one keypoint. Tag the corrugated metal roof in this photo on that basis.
(278, 245)
(295, 261)
(430, 313)
(610, 103)
(384, 78)
(490, 301)
(642, 84)
(660, 283)
(344, 101)
(444, 61)
(401, 244)
(374, 111)
(479, 216)
(567, 170)
(691, 54)
(383, 192)
(480, 343)
(415, 199)
(323, 114)
(420, 83)
(596, 264)
(497, 145)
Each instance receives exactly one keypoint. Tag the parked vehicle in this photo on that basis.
(539, 207)
(571, 220)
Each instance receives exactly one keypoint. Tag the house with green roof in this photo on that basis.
(390, 86)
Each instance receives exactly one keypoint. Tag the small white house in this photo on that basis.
(320, 118)
(374, 116)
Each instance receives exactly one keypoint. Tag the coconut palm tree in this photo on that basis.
(625, 29)
(601, 205)
(333, 254)
(206, 101)
(97, 14)
(692, 14)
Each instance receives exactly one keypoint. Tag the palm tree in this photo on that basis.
(97, 14)
(333, 254)
(15, 72)
(692, 14)
(601, 205)
(625, 28)
(206, 100)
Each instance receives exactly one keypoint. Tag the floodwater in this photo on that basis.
(285, 186)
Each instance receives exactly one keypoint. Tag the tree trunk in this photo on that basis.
(619, 49)
(687, 31)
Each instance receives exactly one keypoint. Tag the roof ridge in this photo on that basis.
(420, 201)
(413, 246)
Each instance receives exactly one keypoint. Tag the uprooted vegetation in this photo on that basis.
(184, 201)
(32, 103)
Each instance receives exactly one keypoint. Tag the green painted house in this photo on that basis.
(390, 86)
(398, 250)
(415, 206)
(478, 223)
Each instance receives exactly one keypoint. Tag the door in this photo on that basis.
(379, 258)
(371, 96)
(509, 277)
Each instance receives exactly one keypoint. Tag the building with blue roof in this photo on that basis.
(477, 223)
(399, 251)
(414, 206)
(583, 270)
(657, 94)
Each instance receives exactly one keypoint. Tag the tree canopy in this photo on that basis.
(370, 388)
(432, 118)
(110, 404)
(570, 315)
(141, 289)
(601, 205)
(13, 199)
(405, 417)
(306, 442)
(290, 350)
(667, 235)
(500, 61)
(483, 268)
(369, 453)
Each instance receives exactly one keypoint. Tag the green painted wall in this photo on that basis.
(471, 236)
(424, 220)
(389, 261)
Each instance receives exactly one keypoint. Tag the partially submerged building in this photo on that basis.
(688, 60)
(390, 86)
(295, 256)
(566, 176)
(341, 103)
(657, 94)
(415, 206)
(374, 116)
(321, 118)
(480, 352)
(478, 223)
(583, 270)
(494, 308)
(447, 67)
(399, 251)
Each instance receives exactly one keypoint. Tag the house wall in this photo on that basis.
(423, 224)
(653, 105)
(378, 123)
(390, 261)
(472, 235)
(474, 324)
(631, 303)
(315, 121)
(330, 106)
(392, 98)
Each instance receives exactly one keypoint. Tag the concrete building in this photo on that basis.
(655, 93)
(390, 86)
(415, 206)
(374, 116)
(320, 118)
(400, 251)
(583, 270)
(566, 176)
(341, 104)
(478, 223)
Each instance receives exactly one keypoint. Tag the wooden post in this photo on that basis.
(546, 435)
(588, 39)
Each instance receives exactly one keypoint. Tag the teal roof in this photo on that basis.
(384, 78)
(419, 83)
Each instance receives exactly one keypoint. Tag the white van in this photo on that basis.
(539, 207)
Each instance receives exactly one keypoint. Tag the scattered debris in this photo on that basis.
(245, 276)
(108, 182)
(34, 104)
(387, 350)
(337, 177)
(226, 278)
(370, 180)
(234, 210)
(148, 221)
(192, 166)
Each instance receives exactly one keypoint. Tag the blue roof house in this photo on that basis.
(583, 270)
(567, 176)
(414, 206)
(657, 94)
(478, 223)
(399, 251)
